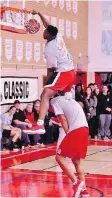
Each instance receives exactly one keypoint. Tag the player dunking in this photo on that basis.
(74, 144)
(60, 68)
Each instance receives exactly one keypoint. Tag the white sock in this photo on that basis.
(40, 122)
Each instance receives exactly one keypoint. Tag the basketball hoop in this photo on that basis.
(19, 21)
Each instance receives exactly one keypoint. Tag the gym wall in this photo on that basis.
(72, 22)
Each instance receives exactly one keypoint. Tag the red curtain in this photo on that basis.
(81, 77)
(98, 79)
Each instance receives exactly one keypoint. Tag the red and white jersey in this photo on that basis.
(72, 111)
(57, 55)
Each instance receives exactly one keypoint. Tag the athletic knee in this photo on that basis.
(47, 93)
(76, 162)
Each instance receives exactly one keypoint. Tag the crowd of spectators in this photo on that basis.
(16, 120)
(97, 105)
(98, 109)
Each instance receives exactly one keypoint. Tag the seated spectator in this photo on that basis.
(8, 130)
(92, 104)
(20, 121)
(29, 114)
(105, 110)
(36, 108)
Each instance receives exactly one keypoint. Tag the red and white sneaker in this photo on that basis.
(55, 121)
(78, 187)
(39, 129)
(84, 193)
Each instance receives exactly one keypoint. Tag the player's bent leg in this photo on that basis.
(44, 105)
(63, 163)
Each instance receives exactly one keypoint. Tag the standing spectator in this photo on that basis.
(109, 89)
(79, 97)
(105, 109)
(8, 130)
(79, 89)
(96, 92)
(92, 104)
(111, 114)
(91, 85)
(95, 86)
(20, 121)
(30, 116)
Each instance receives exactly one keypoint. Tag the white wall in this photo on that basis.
(96, 24)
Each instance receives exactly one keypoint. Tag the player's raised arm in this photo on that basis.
(44, 20)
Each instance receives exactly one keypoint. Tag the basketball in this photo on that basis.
(81, 104)
(32, 26)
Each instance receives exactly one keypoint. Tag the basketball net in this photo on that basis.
(19, 21)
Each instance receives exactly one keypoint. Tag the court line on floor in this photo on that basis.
(44, 174)
(95, 161)
(85, 159)
(57, 165)
(98, 152)
(58, 181)
(100, 168)
(41, 149)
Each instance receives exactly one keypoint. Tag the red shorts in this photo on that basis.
(62, 81)
(75, 143)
